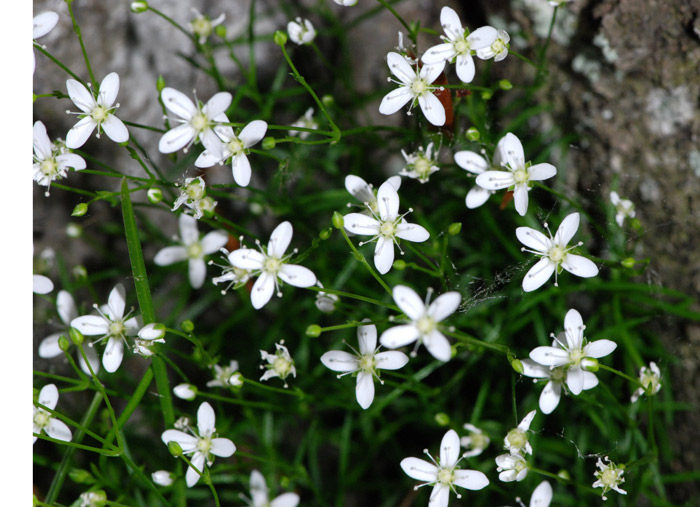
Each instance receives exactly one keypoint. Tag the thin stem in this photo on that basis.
(173, 22)
(355, 296)
(623, 375)
(362, 259)
(400, 19)
(57, 62)
(76, 29)
(298, 393)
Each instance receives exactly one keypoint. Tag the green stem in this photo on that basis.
(174, 23)
(355, 296)
(57, 62)
(400, 19)
(76, 29)
(623, 375)
(361, 258)
(523, 58)
(474, 341)
(298, 393)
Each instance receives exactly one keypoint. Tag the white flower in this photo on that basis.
(45, 421)
(226, 376)
(193, 250)
(112, 324)
(457, 44)
(271, 266)
(365, 193)
(476, 164)
(149, 335)
(511, 467)
(518, 174)
(162, 478)
(280, 364)
(424, 325)
(516, 441)
(421, 164)
(365, 363)
(558, 3)
(554, 254)
(498, 49)
(185, 391)
(197, 121)
(226, 145)
(236, 277)
(96, 112)
(623, 207)
(51, 163)
(41, 284)
(542, 495)
(259, 494)
(475, 442)
(67, 311)
(93, 498)
(556, 378)
(201, 445)
(650, 379)
(43, 24)
(301, 31)
(414, 86)
(385, 227)
(609, 477)
(346, 3)
(203, 26)
(307, 121)
(193, 195)
(443, 474)
(576, 353)
(325, 302)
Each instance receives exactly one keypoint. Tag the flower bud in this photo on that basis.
(268, 143)
(80, 209)
(187, 326)
(338, 220)
(74, 230)
(325, 233)
(162, 478)
(504, 84)
(80, 476)
(160, 83)
(280, 38)
(517, 365)
(63, 343)
(236, 380)
(314, 331)
(139, 6)
(154, 331)
(442, 419)
(34, 97)
(400, 264)
(486, 95)
(454, 228)
(76, 336)
(564, 474)
(185, 391)
(628, 262)
(473, 134)
(328, 100)
(174, 448)
(155, 195)
(220, 31)
(591, 364)
(79, 272)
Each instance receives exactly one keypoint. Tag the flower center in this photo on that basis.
(422, 167)
(425, 325)
(272, 265)
(116, 328)
(419, 87)
(202, 27)
(367, 363)
(235, 146)
(556, 254)
(558, 375)
(609, 477)
(195, 251)
(516, 438)
(461, 46)
(520, 176)
(479, 441)
(199, 122)
(204, 445)
(99, 114)
(49, 167)
(575, 356)
(445, 476)
(387, 229)
(41, 418)
(282, 366)
(498, 46)
(194, 192)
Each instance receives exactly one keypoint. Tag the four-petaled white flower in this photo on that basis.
(556, 379)
(386, 227)
(260, 496)
(193, 249)
(476, 164)
(226, 376)
(112, 324)
(609, 477)
(43, 24)
(227, 145)
(518, 175)
(194, 196)
(415, 85)
(96, 112)
(45, 421)
(301, 31)
(457, 44)
(201, 445)
(365, 363)
(574, 353)
(554, 254)
(280, 364)
(197, 121)
(475, 442)
(52, 160)
(202, 26)
(650, 378)
(421, 164)
(365, 193)
(623, 208)
(443, 474)
(271, 265)
(498, 49)
(306, 121)
(425, 319)
(511, 467)
(517, 441)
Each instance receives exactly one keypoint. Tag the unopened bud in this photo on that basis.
(591, 364)
(280, 38)
(517, 365)
(564, 474)
(325, 233)
(187, 326)
(268, 143)
(162, 478)
(220, 31)
(628, 262)
(328, 100)
(504, 84)
(80, 209)
(185, 391)
(155, 195)
(473, 134)
(236, 380)
(442, 419)
(160, 83)
(454, 228)
(139, 6)
(338, 220)
(314, 331)
(76, 336)
(79, 272)
(400, 265)
(486, 95)
(81, 476)
(74, 230)
(174, 448)
(63, 343)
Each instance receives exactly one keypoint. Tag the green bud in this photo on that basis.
(63, 343)
(160, 83)
(486, 95)
(628, 262)
(400, 264)
(76, 336)
(174, 448)
(442, 419)
(206, 476)
(34, 97)
(473, 134)
(268, 143)
(236, 380)
(285, 483)
(280, 38)
(564, 474)
(592, 364)
(220, 30)
(81, 476)
(338, 220)
(139, 6)
(80, 209)
(328, 100)
(454, 228)
(79, 272)
(155, 195)
(325, 233)
(187, 326)
(314, 331)
(517, 365)
(504, 84)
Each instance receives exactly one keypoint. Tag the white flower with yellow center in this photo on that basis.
(415, 86)
(301, 31)
(260, 495)
(609, 477)
(45, 421)
(421, 164)
(197, 121)
(458, 44)
(96, 112)
(226, 376)
(280, 364)
(651, 380)
(51, 162)
(498, 49)
(623, 208)
(443, 474)
(194, 193)
(555, 254)
(271, 265)
(193, 250)
(364, 363)
(425, 321)
(386, 227)
(517, 441)
(202, 445)
(475, 442)
(202, 26)
(511, 467)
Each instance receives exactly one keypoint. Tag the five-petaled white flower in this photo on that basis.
(271, 265)
(202, 26)
(364, 363)
(260, 497)
(194, 196)
(517, 441)
(197, 121)
(193, 249)
(556, 379)
(650, 378)
(202, 444)
(574, 352)
(96, 112)
(280, 364)
(226, 376)
(43, 24)
(112, 324)
(425, 319)
(511, 467)
(227, 145)
(386, 227)
(457, 44)
(443, 474)
(421, 164)
(609, 477)
(518, 175)
(415, 85)
(52, 160)
(301, 31)
(475, 442)
(476, 164)
(498, 49)
(306, 121)
(623, 208)
(554, 254)
(45, 421)
(365, 192)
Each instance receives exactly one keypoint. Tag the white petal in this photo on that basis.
(395, 182)
(41, 284)
(599, 348)
(170, 255)
(262, 291)
(444, 305)
(339, 360)
(43, 23)
(253, 133)
(71, 160)
(80, 96)
(432, 108)
(79, 134)
(384, 255)
(285, 500)
(398, 336)
(258, 488)
(59, 430)
(66, 306)
(438, 53)
(358, 188)
(92, 358)
(49, 348)
(206, 419)
(186, 441)
(439, 496)
(192, 477)
(541, 172)
(188, 229)
(367, 338)
(549, 399)
(449, 449)
(48, 396)
(246, 258)
(574, 379)
(222, 447)
(115, 129)
(470, 479)
(196, 272)
(465, 68)
(295, 275)
(408, 301)
(450, 22)
(388, 201)
(432, 71)
(208, 159)
(117, 302)
(217, 104)
(240, 167)
(579, 266)
(177, 138)
(477, 196)
(527, 420)
(482, 37)
(471, 162)
(357, 223)
(412, 232)
(419, 469)
(542, 496)
(113, 354)
(549, 356)
(90, 325)
(42, 144)
(589, 380)
(533, 369)
(109, 88)
(279, 240)
(214, 241)
(520, 199)
(395, 100)
(567, 229)
(495, 180)
(512, 151)
(574, 322)
(391, 360)
(364, 390)
(399, 66)
(438, 346)
(178, 103)
(533, 239)
(538, 275)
